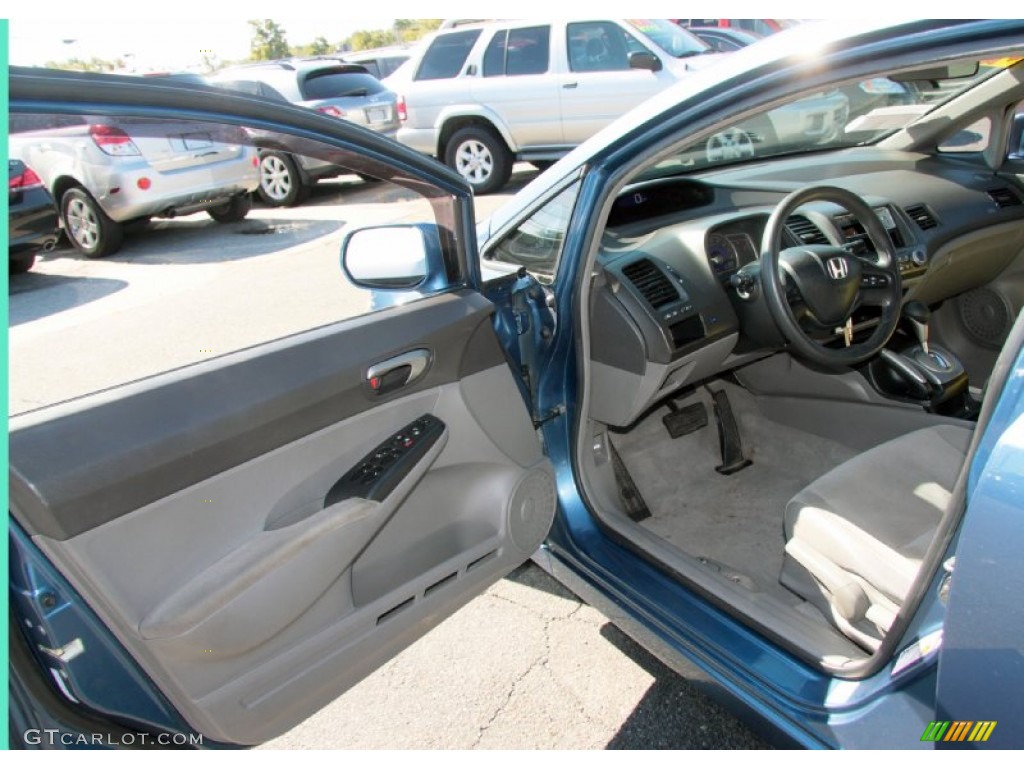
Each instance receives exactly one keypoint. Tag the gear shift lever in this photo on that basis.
(918, 314)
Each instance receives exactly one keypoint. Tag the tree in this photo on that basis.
(410, 30)
(320, 46)
(268, 40)
(370, 38)
(92, 65)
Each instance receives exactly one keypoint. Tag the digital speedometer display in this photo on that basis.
(721, 254)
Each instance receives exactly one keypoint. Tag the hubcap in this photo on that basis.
(473, 161)
(274, 177)
(83, 224)
(730, 144)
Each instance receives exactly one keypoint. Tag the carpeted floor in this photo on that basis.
(734, 521)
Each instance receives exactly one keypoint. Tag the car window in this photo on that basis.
(518, 52)
(671, 38)
(446, 55)
(537, 243)
(597, 46)
(338, 85)
(720, 44)
(179, 291)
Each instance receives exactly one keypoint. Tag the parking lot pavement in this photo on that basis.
(524, 666)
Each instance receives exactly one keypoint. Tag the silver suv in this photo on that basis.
(105, 172)
(343, 90)
(480, 96)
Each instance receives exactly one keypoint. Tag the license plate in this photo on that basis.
(378, 115)
(195, 141)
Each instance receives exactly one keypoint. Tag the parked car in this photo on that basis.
(343, 90)
(725, 39)
(836, 554)
(379, 62)
(106, 174)
(32, 223)
(759, 27)
(480, 96)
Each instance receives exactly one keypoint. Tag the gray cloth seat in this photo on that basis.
(856, 537)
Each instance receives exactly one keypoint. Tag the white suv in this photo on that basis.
(479, 97)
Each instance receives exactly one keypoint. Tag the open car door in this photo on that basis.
(262, 529)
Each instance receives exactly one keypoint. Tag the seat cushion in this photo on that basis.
(874, 516)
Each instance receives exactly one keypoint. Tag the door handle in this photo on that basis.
(399, 371)
(570, 85)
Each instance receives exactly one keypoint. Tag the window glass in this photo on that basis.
(597, 46)
(527, 52)
(537, 243)
(494, 56)
(223, 274)
(337, 85)
(446, 55)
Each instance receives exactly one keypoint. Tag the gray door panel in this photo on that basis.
(250, 601)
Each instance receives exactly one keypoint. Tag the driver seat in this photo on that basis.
(856, 537)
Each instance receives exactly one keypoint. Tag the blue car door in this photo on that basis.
(225, 546)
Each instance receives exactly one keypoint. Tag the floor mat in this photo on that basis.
(735, 520)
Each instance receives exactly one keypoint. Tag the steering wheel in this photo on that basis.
(832, 283)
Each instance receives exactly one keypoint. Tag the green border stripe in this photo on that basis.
(5, 736)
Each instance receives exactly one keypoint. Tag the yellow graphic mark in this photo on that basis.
(959, 730)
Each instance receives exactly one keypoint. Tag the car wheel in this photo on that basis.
(481, 158)
(280, 180)
(19, 265)
(236, 210)
(90, 230)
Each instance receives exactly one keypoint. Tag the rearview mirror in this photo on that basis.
(644, 60)
(390, 257)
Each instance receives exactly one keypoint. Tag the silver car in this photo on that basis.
(330, 86)
(105, 173)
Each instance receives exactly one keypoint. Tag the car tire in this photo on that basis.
(281, 183)
(19, 265)
(368, 179)
(480, 157)
(90, 230)
(236, 210)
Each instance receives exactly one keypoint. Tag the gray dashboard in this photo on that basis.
(665, 312)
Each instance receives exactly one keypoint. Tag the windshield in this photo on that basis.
(671, 38)
(861, 112)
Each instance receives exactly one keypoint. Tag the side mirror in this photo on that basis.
(644, 60)
(391, 257)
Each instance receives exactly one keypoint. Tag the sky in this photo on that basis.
(154, 38)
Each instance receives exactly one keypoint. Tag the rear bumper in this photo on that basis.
(32, 224)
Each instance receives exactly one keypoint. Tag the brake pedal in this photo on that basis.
(729, 440)
(683, 421)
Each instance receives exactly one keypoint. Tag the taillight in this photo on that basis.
(27, 179)
(332, 111)
(113, 141)
(403, 113)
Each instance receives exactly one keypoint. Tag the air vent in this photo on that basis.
(922, 217)
(806, 231)
(651, 282)
(1004, 197)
